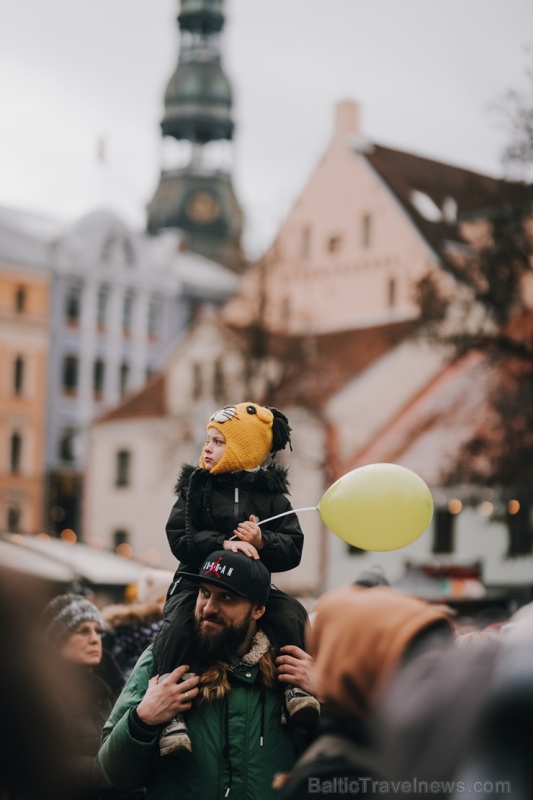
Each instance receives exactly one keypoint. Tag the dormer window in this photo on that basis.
(366, 230)
(306, 241)
(426, 206)
(334, 244)
(391, 292)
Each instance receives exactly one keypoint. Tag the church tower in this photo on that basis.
(195, 191)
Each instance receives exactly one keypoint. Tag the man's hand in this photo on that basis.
(241, 547)
(164, 699)
(295, 666)
(249, 531)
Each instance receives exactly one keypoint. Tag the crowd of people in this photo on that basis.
(213, 683)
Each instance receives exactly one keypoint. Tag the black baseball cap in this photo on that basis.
(247, 577)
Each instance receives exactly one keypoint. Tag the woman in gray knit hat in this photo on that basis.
(91, 681)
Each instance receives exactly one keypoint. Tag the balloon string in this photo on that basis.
(292, 511)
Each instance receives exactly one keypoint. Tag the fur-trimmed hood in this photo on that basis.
(129, 614)
(272, 478)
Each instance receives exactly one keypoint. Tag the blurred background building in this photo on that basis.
(349, 322)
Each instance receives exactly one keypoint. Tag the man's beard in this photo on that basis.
(217, 644)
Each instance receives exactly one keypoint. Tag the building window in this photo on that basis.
(391, 292)
(101, 306)
(107, 249)
(218, 381)
(519, 528)
(15, 453)
(120, 537)
(67, 441)
(127, 312)
(70, 375)
(443, 531)
(123, 378)
(18, 375)
(334, 244)
(306, 241)
(13, 519)
(20, 300)
(285, 309)
(129, 252)
(123, 465)
(366, 230)
(196, 381)
(73, 305)
(153, 317)
(98, 377)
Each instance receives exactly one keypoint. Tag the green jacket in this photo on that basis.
(226, 744)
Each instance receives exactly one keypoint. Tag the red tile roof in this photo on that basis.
(149, 401)
(318, 366)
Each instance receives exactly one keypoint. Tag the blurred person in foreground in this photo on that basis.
(462, 720)
(233, 703)
(33, 741)
(90, 683)
(133, 626)
(359, 639)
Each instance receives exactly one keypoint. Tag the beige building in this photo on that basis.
(324, 328)
(24, 293)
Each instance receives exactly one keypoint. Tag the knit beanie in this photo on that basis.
(251, 433)
(65, 613)
(373, 575)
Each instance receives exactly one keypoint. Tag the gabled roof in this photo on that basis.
(149, 401)
(466, 192)
(320, 365)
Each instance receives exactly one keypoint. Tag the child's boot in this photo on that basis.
(302, 708)
(174, 737)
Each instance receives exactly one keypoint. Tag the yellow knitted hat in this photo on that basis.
(251, 432)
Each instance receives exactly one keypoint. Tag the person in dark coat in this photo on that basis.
(90, 682)
(218, 507)
(133, 626)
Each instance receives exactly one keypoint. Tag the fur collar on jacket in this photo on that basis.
(129, 614)
(214, 681)
(195, 487)
(272, 478)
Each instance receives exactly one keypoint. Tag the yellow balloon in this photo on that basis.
(378, 507)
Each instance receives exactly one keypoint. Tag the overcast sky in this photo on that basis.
(74, 72)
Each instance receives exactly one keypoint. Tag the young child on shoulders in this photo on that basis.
(218, 507)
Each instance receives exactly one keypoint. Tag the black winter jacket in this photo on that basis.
(209, 507)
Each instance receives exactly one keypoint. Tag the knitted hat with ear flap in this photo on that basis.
(251, 433)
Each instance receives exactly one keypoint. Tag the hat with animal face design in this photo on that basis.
(251, 433)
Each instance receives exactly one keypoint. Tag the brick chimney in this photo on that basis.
(347, 114)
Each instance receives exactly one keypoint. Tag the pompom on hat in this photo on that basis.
(65, 613)
(251, 433)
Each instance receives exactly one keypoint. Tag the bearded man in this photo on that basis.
(233, 706)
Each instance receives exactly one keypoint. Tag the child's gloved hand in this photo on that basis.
(249, 531)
